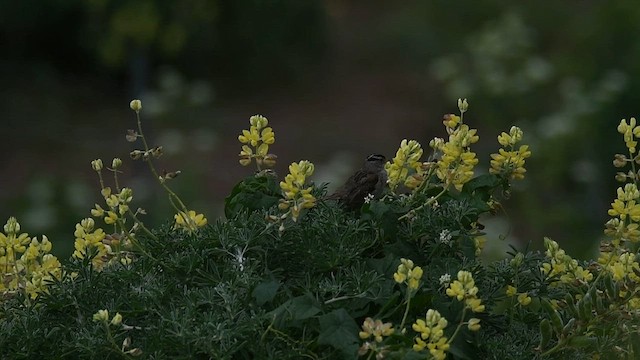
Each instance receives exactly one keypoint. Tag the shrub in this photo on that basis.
(289, 274)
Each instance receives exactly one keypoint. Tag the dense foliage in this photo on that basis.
(290, 275)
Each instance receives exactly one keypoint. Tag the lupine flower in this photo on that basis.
(256, 143)
(464, 289)
(376, 328)
(26, 262)
(408, 274)
(431, 334)
(189, 221)
(509, 162)
(561, 265)
(406, 161)
(297, 195)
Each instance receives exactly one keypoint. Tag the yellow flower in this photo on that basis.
(629, 131)
(474, 324)
(407, 159)
(464, 289)
(259, 136)
(524, 299)
(431, 334)
(408, 274)
(456, 163)
(511, 291)
(111, 218)
(189, 221)
(101, 316)
(117, 319)
(451, 121)
(376, 328)
(297, 196)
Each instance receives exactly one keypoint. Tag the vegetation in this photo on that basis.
(290, 275)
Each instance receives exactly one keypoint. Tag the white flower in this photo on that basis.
(445, 280)
(445, 236)
(368, 198)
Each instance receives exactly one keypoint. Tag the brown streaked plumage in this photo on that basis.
(371, 179)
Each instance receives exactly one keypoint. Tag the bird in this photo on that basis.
(369, 181)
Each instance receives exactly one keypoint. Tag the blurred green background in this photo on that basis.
(337, 79)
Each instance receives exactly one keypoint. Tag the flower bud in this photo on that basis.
(258, 121)
(517, 260)
(97, 164)
(136, 154)
(245, 160)
(463, 105)
(126, 342)
(172, 174)
(269, 160)
(116, 163)
(132, 135)
(117, 319)
(474, 324)
(134, 352)
(101, 315)
(619, 160)
(12, 226)
(135, 105)
(283, 205)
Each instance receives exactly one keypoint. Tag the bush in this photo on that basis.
(290, 273)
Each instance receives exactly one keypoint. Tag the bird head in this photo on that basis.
(375, 161)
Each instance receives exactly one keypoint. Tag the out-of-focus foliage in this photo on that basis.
(246, 41)
(559, 72)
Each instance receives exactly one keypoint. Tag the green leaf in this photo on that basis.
(253, 193)
(298, 308)
(265, 292)
(339, 330)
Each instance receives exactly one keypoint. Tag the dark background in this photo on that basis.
(338, 80)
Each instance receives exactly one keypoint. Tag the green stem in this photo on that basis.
(172, 195)
(132, 239)
(464, 312)
(144, 228)
(429, 202)
(406, 309)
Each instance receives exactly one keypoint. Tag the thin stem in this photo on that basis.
(172, 195)
(464, 312)
(144, 228)
(406, 309)
(429, 202)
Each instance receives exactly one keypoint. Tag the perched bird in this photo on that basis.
(366, 182)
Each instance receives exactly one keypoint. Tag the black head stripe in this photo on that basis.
(376, 157)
